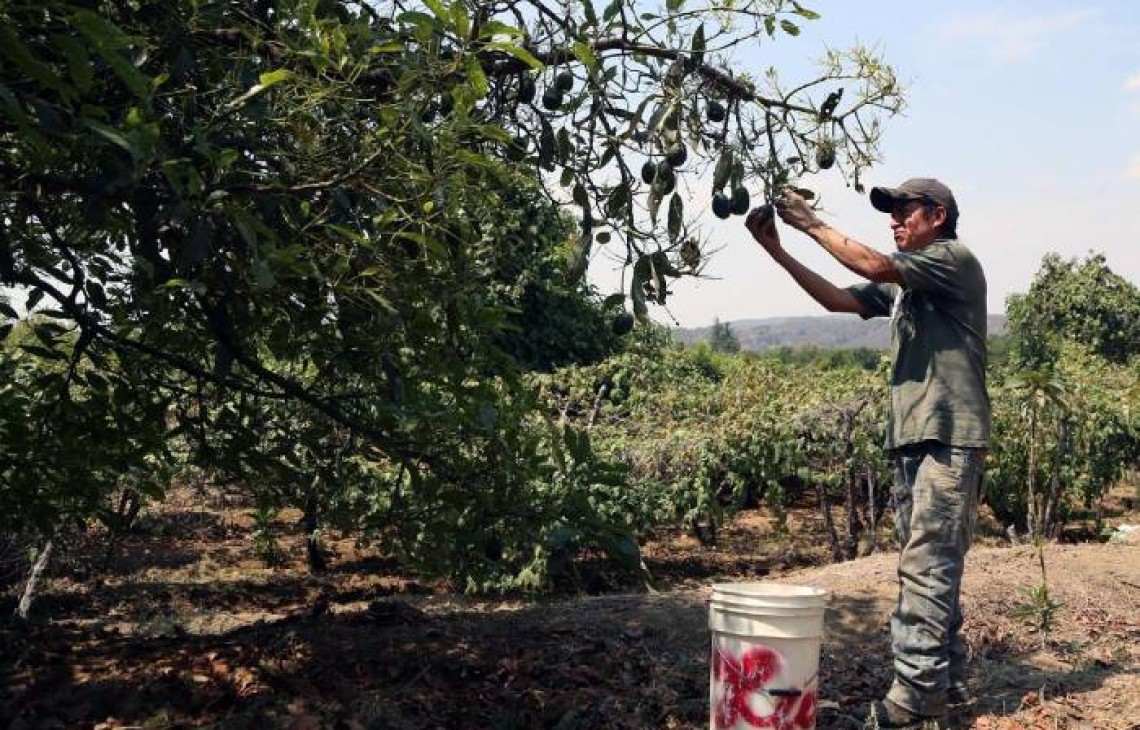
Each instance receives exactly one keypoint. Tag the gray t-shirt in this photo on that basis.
(938, 346)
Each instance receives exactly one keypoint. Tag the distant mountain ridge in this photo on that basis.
(824, 331)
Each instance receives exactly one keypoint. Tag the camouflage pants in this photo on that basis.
(935, 498)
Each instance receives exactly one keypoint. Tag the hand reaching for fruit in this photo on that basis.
(794, 210)
(761, 223)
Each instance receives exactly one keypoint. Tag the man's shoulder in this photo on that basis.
(952, 253)
(947, 248)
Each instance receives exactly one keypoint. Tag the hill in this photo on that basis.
(824, 331)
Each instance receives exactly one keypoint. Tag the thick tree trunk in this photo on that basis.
(29, 595)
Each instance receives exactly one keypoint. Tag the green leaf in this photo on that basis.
(581, 196)
(272, 78)
(618, 201)
(803, 12)
(723, 170)
(660, 114)
(476, 75)
(699, 44)
(110, 42)
(78, 62)
(547, 144)
(736, 178)
(492, 28)
(518, 52)
(422, 21)
(655, 197)
(585, 54)
(637, 289)
(460, 20)
(43, 352)
(392, 46)
(439, 11)
(674, 5)
(496, 133)
(588, 11)
(265, 83)
(12, 48)
(607, 156)
(194, 286)
(789, 27)
(33, 299)
(663, 266)
(579, 259)
(246, 225)
(565, 146)
(676, 217)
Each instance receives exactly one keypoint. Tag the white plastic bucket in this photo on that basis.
(765, 655)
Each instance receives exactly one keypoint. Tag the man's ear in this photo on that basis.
(937, 216)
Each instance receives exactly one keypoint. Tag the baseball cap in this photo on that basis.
(917, 188)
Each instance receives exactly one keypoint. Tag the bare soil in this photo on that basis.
(186, 628)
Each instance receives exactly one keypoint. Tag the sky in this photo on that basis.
(1029, 111)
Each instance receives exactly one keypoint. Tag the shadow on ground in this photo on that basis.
(634, 661)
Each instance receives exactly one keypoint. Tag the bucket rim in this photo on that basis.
(770, 609)
(769, 590)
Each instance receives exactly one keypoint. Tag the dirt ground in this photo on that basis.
(185, 628)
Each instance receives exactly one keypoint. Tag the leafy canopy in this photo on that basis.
(257, 221)
(1082, 301)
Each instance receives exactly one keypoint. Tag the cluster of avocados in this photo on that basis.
(662, 172)
(735, 204)
(676, 154)
(555, 94)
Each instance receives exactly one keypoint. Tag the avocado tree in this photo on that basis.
(70, 437)
(1062, 437)
(1063, 429)
(1079, 300)
(323, 211)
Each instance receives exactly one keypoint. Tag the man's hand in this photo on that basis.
(795, 211)
(761, 223)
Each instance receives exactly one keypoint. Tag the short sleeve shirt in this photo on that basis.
(938, 346)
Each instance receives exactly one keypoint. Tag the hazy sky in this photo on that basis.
(1029, 111)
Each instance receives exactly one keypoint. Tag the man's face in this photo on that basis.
(915, 225)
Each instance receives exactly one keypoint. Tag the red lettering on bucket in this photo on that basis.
(741, 677)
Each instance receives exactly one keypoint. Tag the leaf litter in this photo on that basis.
(214, 639)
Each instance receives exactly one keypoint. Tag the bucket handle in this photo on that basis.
(791, 692)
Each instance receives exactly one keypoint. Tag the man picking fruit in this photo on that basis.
(938, 428)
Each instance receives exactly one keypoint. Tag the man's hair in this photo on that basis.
(949, 227)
